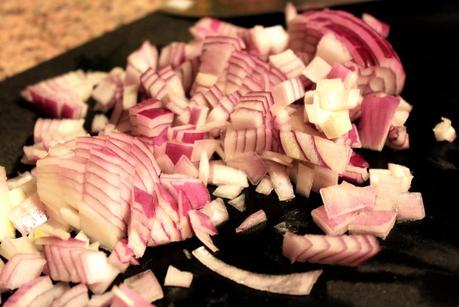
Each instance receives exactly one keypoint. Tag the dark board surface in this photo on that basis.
(419, 264)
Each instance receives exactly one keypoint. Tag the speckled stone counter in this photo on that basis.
(32, 31)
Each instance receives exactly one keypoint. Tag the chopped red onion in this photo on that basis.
(265, 186)
(443, 131)
(288, 63)
(410, 207)
(251, 163)
(177, 278)
(280, 181)
(216, 211)
(203, 228)
(125, 297)
(349, 250)
(376, 60)
(29, 292)
(20, 270)
(377, 25)
(62, 96)
(101, 300)
(293, 284)
(146, 285)
(347, 198)
(304, 179)
(211, 26)
(227, 191)
(378, 223)
(23, 245)
(49, 296)
(331, 226)
(398, 138)
(238, 203)
(377, 113)
(251, 221)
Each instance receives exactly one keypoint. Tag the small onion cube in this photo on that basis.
(177, 278)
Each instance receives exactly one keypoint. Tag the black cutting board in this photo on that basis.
(419, 264)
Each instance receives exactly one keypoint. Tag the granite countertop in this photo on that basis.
(33, 31)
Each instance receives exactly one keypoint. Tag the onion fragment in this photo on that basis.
(177, 278)
(265, 186)
(251, 221)
(125, 297)
(443, 131)
(29, 292)
(342, 250)
(146, 285)
(21, 269)
(238, 203)
(293, 284)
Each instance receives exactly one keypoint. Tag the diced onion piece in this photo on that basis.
(388, 189)
(125, 297)
(28, 215)
(225, 175)
(346, 198)
(6, 227)
(443, 131)
(101, 300)
(46, 298)
(227, 191)
(99, 123)
(288, 63)
(252, 221)
(323, 177)
(54, 230)
(293, 284)
(204, 168)
(341, 250)
(177, 278)
(265, 186)
(304, 179)
(95, 266)
(290, 12)
(378, 223)
(404, 172)
(17, 196)
(29, 292)
(377, 25)
(410, 207)
(331, 94)
(402, 113)
(25, 181)
(280, 181)
(331, 226)
(23, 245)
(216, 211)
(238, 203)
(203, 228)
(251, 163)
(21, 269)
(317, 69)
(332, 50)
(377, 114)
(146, 285)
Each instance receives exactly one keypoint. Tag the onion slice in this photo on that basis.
(251, 221)
(293, 284)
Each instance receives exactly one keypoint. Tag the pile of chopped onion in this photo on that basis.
(283, 110)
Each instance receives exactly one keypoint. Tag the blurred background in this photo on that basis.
(32, 31)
